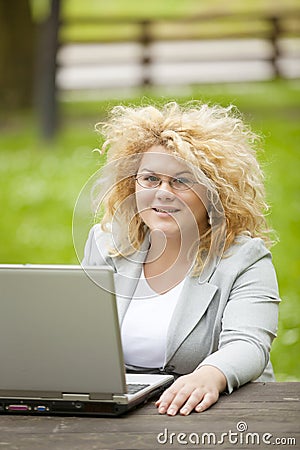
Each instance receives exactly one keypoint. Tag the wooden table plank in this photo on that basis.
(272, 408)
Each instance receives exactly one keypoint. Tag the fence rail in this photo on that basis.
(149, 33)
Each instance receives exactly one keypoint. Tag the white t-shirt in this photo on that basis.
(145, 325)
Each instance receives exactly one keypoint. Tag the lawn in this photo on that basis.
(158, 8)
(40, 184)
(75, 12)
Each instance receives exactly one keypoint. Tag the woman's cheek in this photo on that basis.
(143, 200)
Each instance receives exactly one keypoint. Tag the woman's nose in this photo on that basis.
(165, 191)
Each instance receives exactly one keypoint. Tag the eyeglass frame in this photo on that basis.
(160, 181)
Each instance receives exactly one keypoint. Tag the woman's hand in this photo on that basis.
(197, 390)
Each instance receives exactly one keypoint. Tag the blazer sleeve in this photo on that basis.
(249, 325)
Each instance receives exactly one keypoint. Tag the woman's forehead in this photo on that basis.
(160, 161)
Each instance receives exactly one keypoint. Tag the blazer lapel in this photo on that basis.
(191, 306)
(128, 272)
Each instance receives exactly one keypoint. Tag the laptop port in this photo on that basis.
(78, 405)
(18, 408)
(41, 408)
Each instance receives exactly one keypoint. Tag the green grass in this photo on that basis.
(157, 9)
(40, 184)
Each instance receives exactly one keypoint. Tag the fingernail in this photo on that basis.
(172, 411)
(162, 410)
(184, 411)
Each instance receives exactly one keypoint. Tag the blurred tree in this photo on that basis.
(45, 86)
(17, 51)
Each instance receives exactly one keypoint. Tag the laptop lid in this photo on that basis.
(59, 332)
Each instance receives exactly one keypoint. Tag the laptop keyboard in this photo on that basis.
(133, 388)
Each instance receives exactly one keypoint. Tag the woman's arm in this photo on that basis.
(249, 325)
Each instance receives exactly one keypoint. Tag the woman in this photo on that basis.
(185, 232)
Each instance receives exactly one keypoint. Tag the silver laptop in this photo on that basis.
(60, 345)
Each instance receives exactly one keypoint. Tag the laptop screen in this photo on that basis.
(59, 330)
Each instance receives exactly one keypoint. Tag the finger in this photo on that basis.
(180, 398)
(208, 400)
(194, 399)
(165, 399)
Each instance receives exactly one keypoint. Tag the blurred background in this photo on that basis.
(65, 63)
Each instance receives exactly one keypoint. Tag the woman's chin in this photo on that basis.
(169, 232)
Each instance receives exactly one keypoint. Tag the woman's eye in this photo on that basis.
(151, 178)
(182, 181)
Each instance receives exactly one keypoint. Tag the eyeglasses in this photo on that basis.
(153, 181)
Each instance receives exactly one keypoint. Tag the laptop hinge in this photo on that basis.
(30, 394)
(76, 397)
(101, 396)
(120, 399)
(85, 397)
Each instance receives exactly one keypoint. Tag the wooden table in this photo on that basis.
(257, 416)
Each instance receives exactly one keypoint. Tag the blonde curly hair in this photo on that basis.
(213, 139)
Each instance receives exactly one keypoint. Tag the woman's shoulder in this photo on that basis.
(251, 247)
(244, 252)
(100, 235)
(97, 247)
(248, 263)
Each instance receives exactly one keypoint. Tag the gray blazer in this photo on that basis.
(228, 322)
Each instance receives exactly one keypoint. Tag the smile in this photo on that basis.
(165, 210)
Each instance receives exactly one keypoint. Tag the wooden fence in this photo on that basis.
(271, 28)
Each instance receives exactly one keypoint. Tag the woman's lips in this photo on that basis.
(165, 210)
